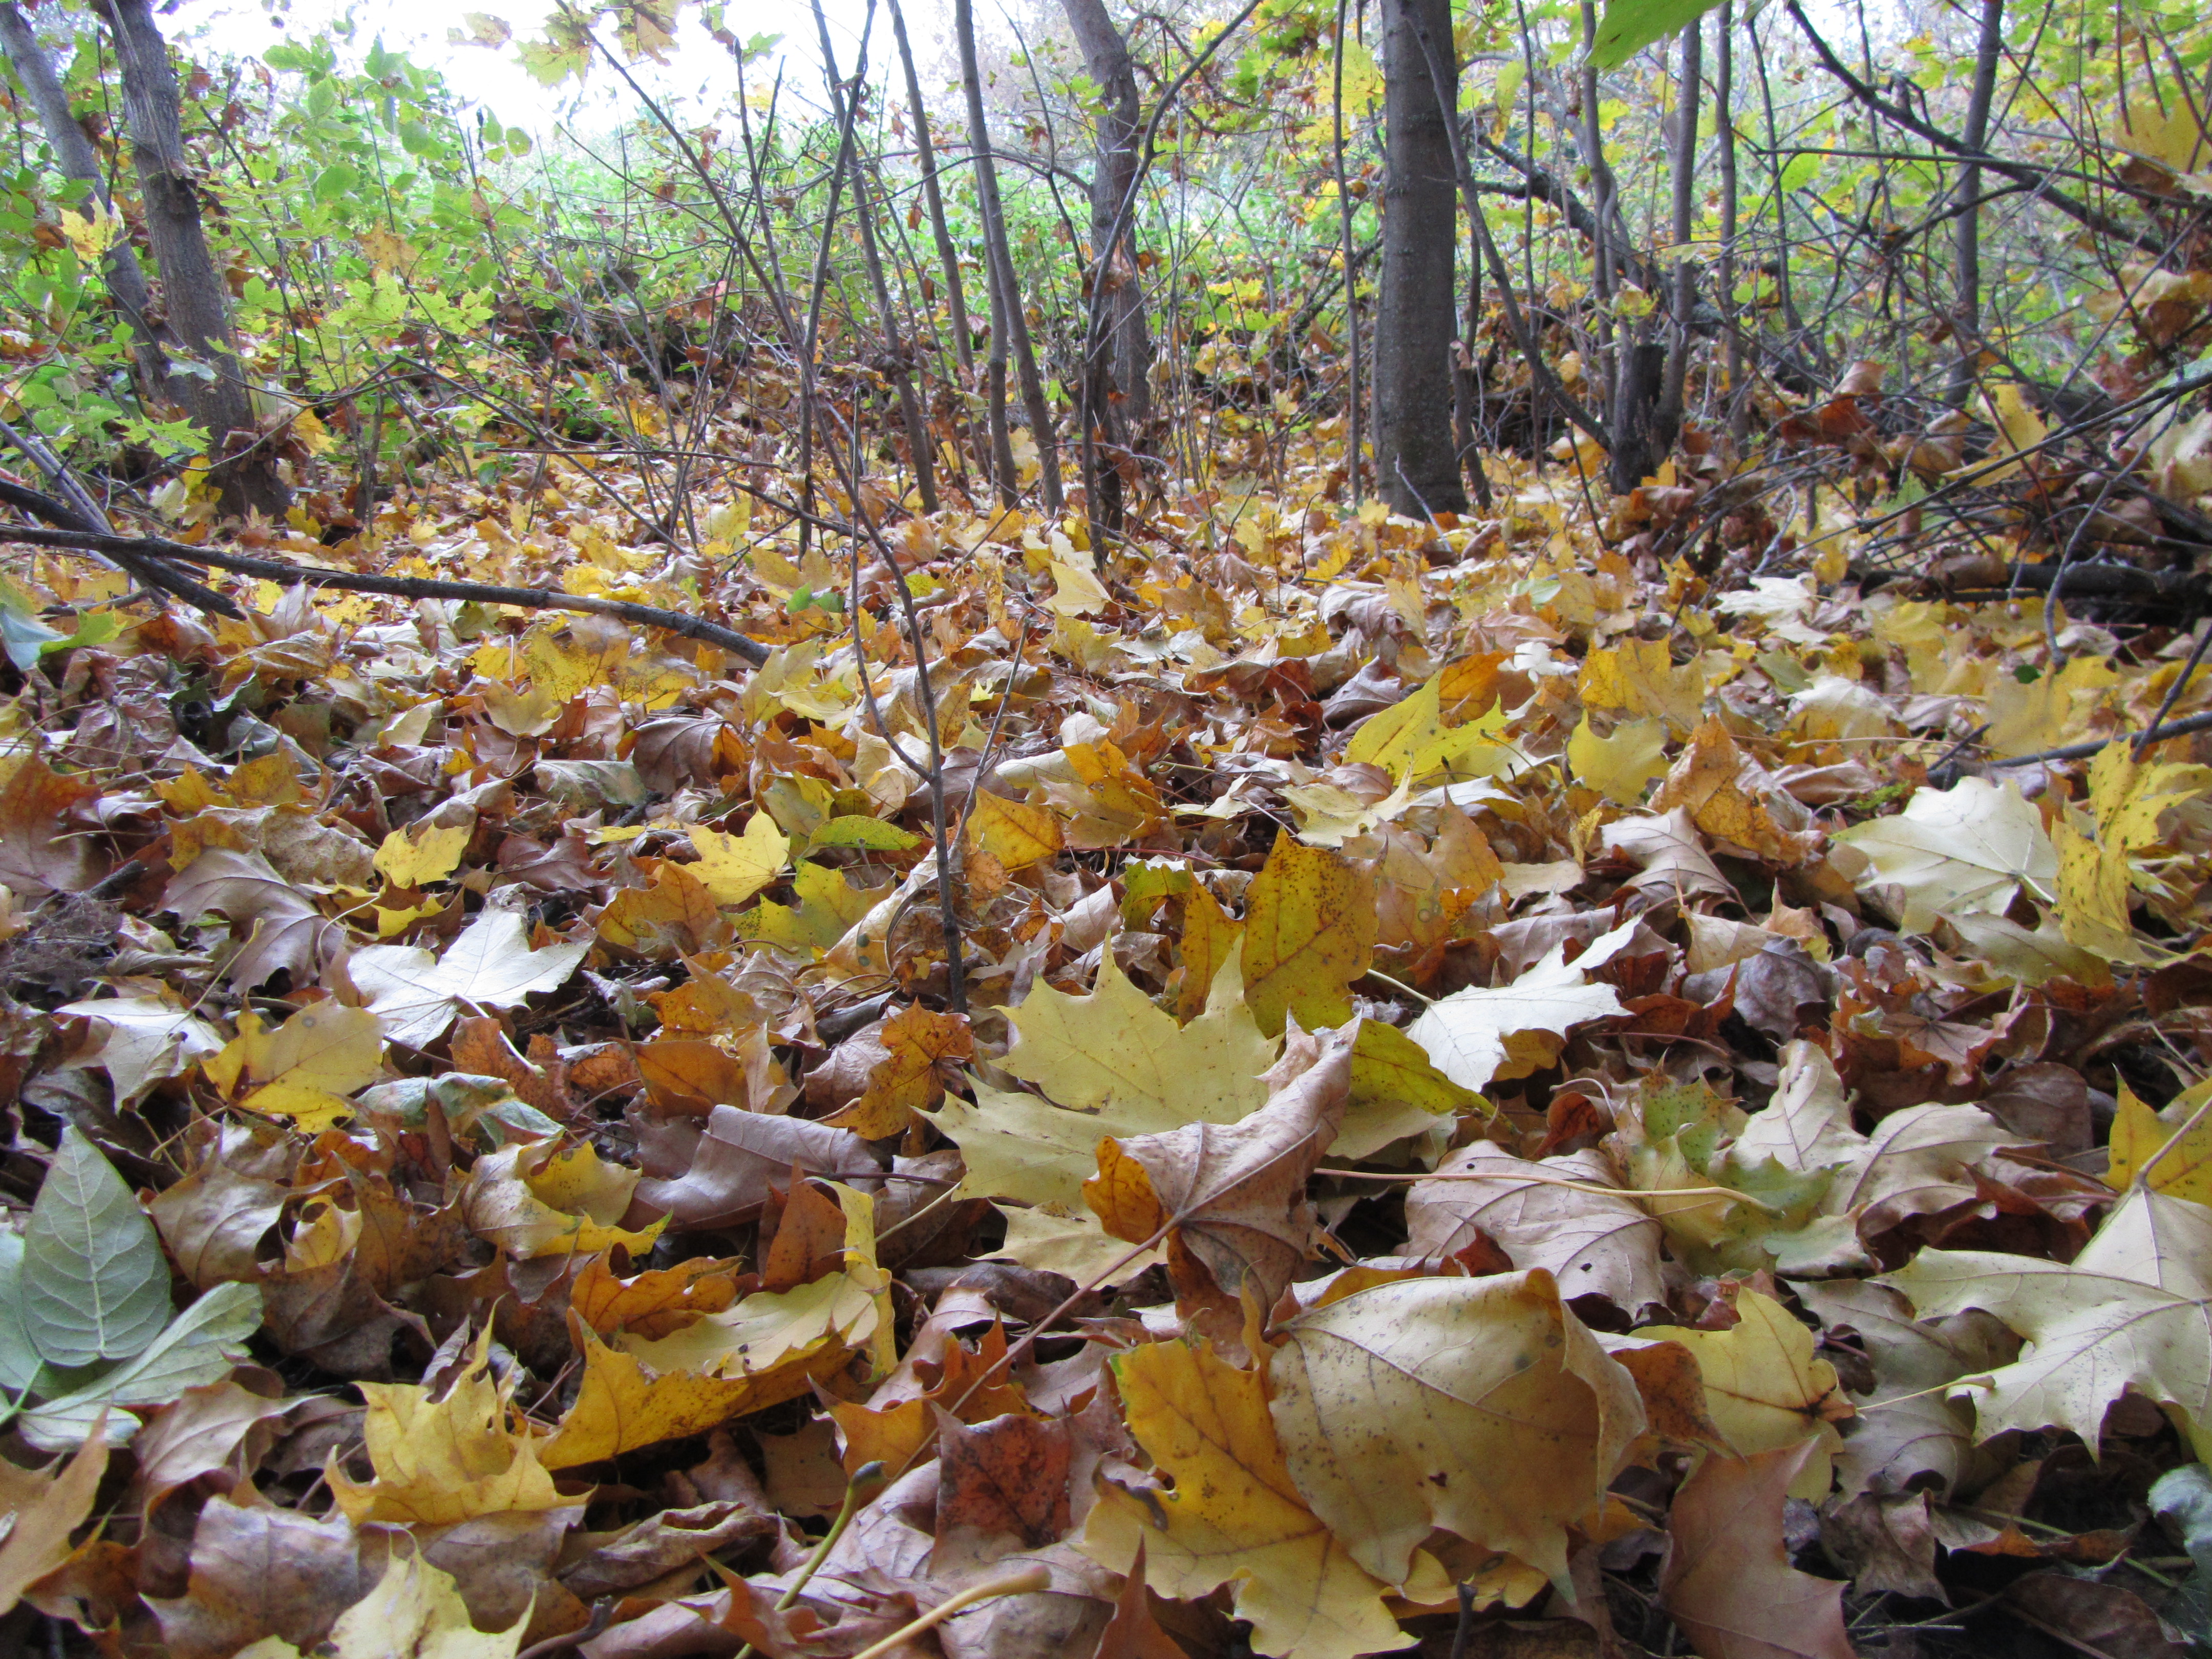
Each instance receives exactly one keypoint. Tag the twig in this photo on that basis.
(1021, 1583)
(147, 548)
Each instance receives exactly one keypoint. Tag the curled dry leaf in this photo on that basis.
(1480, 1405)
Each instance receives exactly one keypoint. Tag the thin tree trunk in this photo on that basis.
(75, 155)
(933, 196)
(194, 303)
(1684, 204)
(1414, 321)
(1966, 310)
(987, 204)
(1739, 406)
(899, 369)
(1010, 328)
(1351, 267)
(1114, 385)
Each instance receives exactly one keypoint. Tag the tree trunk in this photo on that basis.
(194, 303)
(76, 157)
(1414, 325)
(1966, 310)
(898, 366)
(1010, 328)
(1115, 383)
(1685, 296)
(1351, 428)
(948, 256)
(1739, 405)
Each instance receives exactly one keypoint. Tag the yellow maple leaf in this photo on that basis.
(1764, 1387)
(1638, 677)
(306, 1067)
(771, 1347)
(414, 1609)
(1235, 1516)
(1013, 832)
(1411, 741)
(1620, 766)
(441, 1462)
(541, 1198)
(733, 868)
(1309, 928)
(2139, 1133)
(1730, 799)
(407, 861)
(1480, 1405)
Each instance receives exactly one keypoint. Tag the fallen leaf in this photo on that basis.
(1727, 1580)
(1481, 1406)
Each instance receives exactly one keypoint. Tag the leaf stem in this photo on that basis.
(1013, 1584)
(865, 1482)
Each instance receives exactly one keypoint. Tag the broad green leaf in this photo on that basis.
(199, 1346)
(96, 1283)
(1629, 26)
(19, 1365)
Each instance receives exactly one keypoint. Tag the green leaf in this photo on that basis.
(21, 1367)
(95, 1283)
(870, 835)
(1629, 26)
(336, 182)
(199, 1346)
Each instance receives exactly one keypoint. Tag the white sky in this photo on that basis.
(698, 67)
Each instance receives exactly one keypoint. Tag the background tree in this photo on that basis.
(1415, 460)
(205, 377)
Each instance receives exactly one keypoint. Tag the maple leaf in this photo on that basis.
(1732, 799)
(1113, 1062)
(1728, 1581)
(442, 1461)
(1967, 850)
(413, 1609)
(1554, 1213)
(1468, 1034)
(1234, 1516)
(307, 1068)
(1232, 1195)
(42, 850)
(416, 993)
(46, 1508)
(140, 1041)
(278, 927)
(1309, 926)
(732, 868)
(1765, 1389)
(548, 1198)
(1481, 1406)
(2140, 1135)
(2132, 1310)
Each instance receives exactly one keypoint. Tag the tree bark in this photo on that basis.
(940, 232)
(1116, 373)
(1115, 269)
(1966, 310)
(1685, 285)
(1414, 453)
(1739, 405)
(76, 157)
(194, 304)
(1010, 328)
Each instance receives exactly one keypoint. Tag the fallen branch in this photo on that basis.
(150, 573)
(2188, 590)
(146, 548)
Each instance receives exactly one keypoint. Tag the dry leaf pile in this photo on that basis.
(1495, 1096)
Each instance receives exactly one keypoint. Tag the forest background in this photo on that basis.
(1290, 827)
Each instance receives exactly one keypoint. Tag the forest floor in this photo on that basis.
(1511, 1085)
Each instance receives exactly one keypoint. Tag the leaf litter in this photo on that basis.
(1496, 1094)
